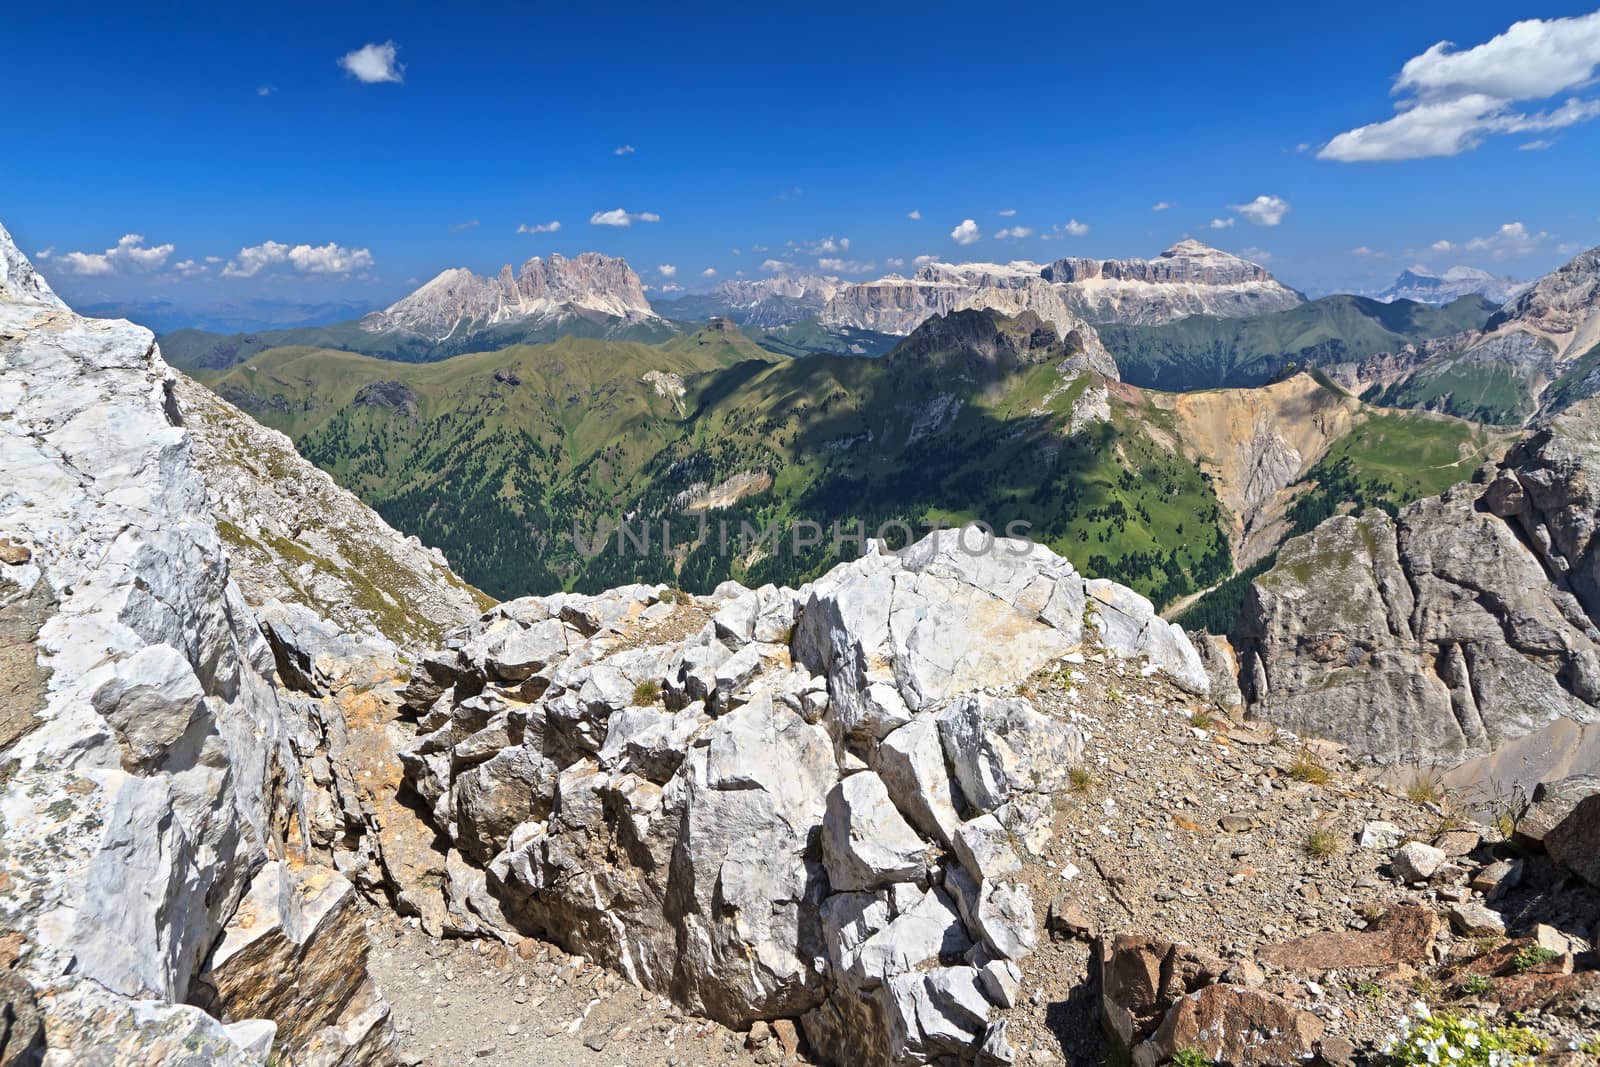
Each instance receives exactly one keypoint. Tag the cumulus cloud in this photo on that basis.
(1364, 252)
(924, 260)
(1452, 101)
(470, 224)
(1221, 224)
(1162, 205)
(188, 268)
(777, 266)
(266, 90)
(1074, 228)
(129, 254)
(553, 226)
(844, 266)
(709, 272)
(623, 150)
(1010, 231)
(305, 259)
(966, 232)
(1511, 239)
(913, 214)
(373, 63)
(667, 270)
(619, 217)
(895, 261)
(1263, 210)
(1007, 213)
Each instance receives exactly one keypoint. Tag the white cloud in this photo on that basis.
(966, 233)
(45, 253)
(671, 288)
(667, 270)
(266, 90)
(913, 214)
(1263, 210)
(1162, 205)
(924, 260)
(1511, 239)
(1451, 102)
(373, 63)
(1366, 253)
(461, 227)
(1258, 255)
(777, 266)
(895, 261)
(188, 268)
(709, 272)
(213, 259)
(305, 259)
(1011, 231)
(129, 253)
(1538, 145)
(1221, 224)
(623, 150)
(619, 217)
(1075, 228)
(553, 226)
(1007, 213)
(844, 266)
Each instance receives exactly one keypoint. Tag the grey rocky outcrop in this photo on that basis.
(155, 773)
(803, 809)
(1465, 623)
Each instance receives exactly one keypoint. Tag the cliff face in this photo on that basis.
(1187, 279)
(458, 302)
(1465, 624)
(150, 768)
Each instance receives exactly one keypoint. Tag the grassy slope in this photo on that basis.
(499, 475)
(1204, 352)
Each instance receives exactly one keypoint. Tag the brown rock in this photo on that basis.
(788, 1036)
(1457, 843)
(14, 554)
(295, 952)
(1066, 920)
(1498, 877)
(1336, 1052)
(1552, 802)
(1404, 934)
(1236, 823)
(1234, 1026)
(527, 949)
(1142, 977)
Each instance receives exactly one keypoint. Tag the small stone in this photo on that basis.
(527, 949)
(1457, 843)
(1236, 823)
(1416, 862)
(1497, 878)
(1066, 921)
(1381, 836)
(14, 554)
(1476, 920)
(760, 1033)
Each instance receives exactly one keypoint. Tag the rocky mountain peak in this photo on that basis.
(988, 339)
(1425, 286)
(19, 282)
(457, 301)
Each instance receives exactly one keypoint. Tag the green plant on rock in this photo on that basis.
(646, 693)
(1190, 1057)
(1427, 1039)
(1307, 768)
(1324, 844)
(1476, 985)
(1530, 956)
(1080, 779)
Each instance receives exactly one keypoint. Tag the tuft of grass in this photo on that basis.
(1530, 956)
(1425, 789)
(1201, 720)
(1324, 844)
(1369, 990)
(646, 693)
(1190, 1057)
(1080, 779)
(1476, 985)
(1307, 768)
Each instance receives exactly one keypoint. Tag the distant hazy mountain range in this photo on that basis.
(163, 316)
(1422, 285)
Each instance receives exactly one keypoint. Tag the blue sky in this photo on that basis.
(273, 171)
